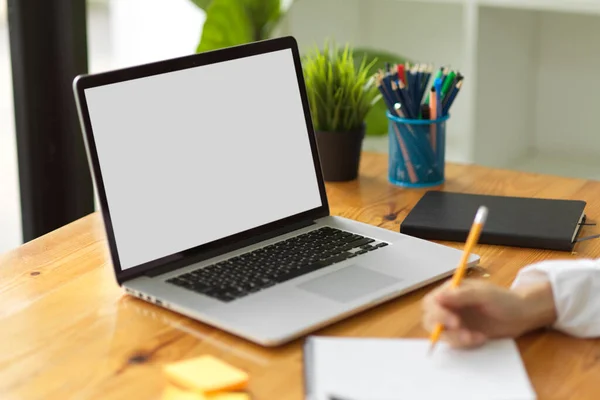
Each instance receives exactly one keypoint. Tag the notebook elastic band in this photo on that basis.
(588, 238)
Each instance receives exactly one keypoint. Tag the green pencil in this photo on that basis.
(448, 83)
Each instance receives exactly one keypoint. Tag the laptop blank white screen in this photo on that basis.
(192, 156)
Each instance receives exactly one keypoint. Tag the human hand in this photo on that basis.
(477, 311)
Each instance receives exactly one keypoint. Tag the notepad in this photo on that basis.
(206, 374)
(394, 369)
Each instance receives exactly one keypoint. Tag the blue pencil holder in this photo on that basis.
(417, 151)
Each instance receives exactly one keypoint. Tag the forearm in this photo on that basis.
(538, 309)
(575, 288)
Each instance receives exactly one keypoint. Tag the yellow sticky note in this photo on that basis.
(228, 396)
(206, 374)
(174, 393)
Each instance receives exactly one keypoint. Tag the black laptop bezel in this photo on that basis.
(83, 82)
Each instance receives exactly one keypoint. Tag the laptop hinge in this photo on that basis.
(227, 249)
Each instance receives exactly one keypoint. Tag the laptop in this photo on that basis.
(210, 187)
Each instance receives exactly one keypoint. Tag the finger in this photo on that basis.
(452, 338)
(434, 294)
(479, 339)
(438, 315)
(464, 338)
(463, 296)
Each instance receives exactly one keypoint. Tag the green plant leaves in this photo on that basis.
(234, 22)
(227, 24)
(340, 91)
(264, 14)
(376, 120)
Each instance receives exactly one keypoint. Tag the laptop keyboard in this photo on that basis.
(248, 273)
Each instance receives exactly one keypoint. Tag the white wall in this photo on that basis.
(568, 85)
(311, 21)
(507, 59)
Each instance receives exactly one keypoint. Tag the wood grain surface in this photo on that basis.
(69, 332)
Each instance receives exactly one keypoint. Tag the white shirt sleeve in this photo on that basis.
(576, 289)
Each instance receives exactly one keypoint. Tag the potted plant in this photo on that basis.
(341, 93)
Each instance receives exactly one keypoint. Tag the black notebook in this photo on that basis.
(512, 221)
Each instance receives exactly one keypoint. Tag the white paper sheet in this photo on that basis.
(398, 369)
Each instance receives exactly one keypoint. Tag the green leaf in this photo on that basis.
(341, 91)
(264, 15)
(234, 22)
(376, 120)
(227, 24)
(203, 4)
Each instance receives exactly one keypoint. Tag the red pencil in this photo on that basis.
(401, 74)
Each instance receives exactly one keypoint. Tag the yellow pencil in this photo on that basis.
(472, 239)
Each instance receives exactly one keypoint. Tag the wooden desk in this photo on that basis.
(67, 330)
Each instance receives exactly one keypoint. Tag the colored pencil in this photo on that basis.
(439, 74)
(401, 75)
(433, 116)
(407, 99)
(448, 100)
(448, 83)
(403, 149)
(438, 92)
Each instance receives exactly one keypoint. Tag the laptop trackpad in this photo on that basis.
(348, 283)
